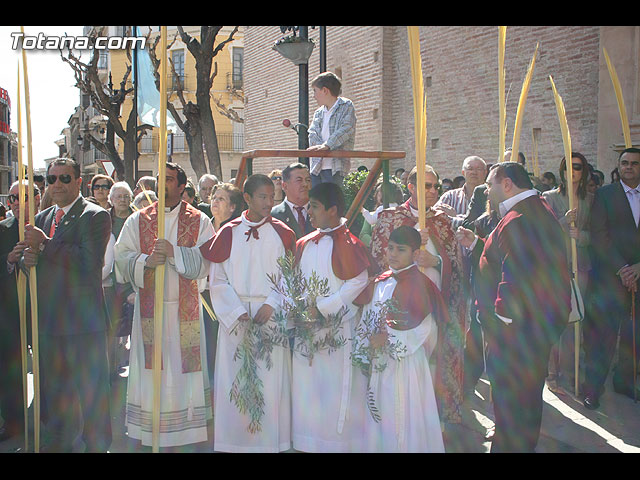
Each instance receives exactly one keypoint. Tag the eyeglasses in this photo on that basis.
(14, 198)
(276, 178)
(576, 166)
(429, 186)
(122, 197)
(64, 178)
(102, 186)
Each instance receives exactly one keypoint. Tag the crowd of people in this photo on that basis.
(286, 330)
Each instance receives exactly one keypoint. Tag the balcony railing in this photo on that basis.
(172, 82)
(227, 142)
(234, 80)
(231, 142)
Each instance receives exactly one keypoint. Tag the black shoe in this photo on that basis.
(591, 402)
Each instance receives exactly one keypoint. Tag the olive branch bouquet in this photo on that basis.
(373, 346)
(256, 345)
(299, 296)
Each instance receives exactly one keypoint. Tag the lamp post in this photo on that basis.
(303, 99)
(298, 50)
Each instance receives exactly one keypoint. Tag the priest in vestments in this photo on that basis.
(242, 254)
(441, 262)
(185, 405)
(326, 392)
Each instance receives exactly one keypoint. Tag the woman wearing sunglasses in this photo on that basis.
(561, 365)
(100, 187)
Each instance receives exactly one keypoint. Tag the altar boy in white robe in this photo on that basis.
(242, 254)
(185, 403)
(324, 411)
(403, 391)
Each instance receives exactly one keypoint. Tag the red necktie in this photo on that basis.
(54, 224)
(301, 220)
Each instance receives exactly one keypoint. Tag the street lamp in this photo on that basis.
(298, 49)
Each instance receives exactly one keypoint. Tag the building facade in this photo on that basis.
(227, 88)
(112, 65)
(460, 70)
(6, 160)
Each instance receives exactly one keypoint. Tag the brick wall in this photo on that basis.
(461, 64)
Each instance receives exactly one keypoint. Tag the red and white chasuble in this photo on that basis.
(325, 416)
(242, 254)
(403, 391)
(185, 392)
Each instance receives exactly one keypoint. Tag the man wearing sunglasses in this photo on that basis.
(67, 246)
(615, 241)
(441, 261)
(11, 400)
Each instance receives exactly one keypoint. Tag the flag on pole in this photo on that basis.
(148, 95)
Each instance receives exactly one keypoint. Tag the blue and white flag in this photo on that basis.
(148, 94)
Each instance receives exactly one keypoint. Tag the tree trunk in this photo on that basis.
(208, 127)
(196, 153)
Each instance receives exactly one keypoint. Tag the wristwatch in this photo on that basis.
(43, 245)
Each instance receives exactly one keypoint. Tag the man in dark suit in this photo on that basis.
(11, 398)
(477, 206)
(67, 246)
(523, 293)
(615, 243)
(296, 183)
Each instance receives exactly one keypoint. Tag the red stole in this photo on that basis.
(218, 248)
(349, 256)
(189, 308)
(415, 294)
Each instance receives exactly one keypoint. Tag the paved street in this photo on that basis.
(567, 426)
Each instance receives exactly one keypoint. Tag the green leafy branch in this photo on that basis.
(373, 346)
(312, 334)
(247, 387)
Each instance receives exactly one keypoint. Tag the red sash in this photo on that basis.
(189, 308)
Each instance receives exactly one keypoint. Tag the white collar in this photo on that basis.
(68, 207)
(293, 205)
(327, 230)
(509, 203)
(246, 221)
(174, 209)
(628, 189)
(395, 272)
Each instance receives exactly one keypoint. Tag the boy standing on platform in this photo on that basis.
(333, 128)
(403, 391)
(323, 410)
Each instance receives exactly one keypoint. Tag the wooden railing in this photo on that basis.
(381, 165)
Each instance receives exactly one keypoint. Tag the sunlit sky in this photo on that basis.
(52, 91)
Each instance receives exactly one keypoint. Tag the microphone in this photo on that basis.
(295, 127)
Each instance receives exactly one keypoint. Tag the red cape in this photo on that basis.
(349, 256)
(416, 295)
(218, 248)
